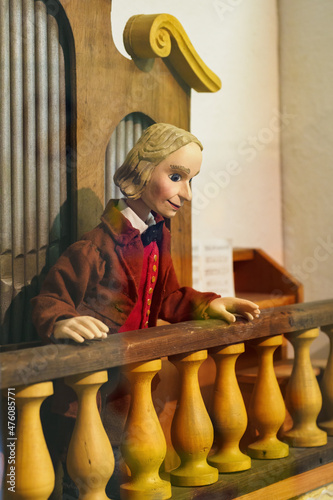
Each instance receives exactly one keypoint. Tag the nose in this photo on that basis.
(186, 191)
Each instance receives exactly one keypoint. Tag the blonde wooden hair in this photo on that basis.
(156, 143)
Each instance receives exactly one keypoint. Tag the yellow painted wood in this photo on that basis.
(34, 474)
(303, 396)
(143, 447)
(326, 420)
(228, 414)
(267, 409)
(162, 35)
(90, 460)
(192, 431)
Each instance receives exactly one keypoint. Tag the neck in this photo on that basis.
(139, 207)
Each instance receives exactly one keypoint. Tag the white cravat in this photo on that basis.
(133, 218)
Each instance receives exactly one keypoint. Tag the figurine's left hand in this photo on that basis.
(226, 307)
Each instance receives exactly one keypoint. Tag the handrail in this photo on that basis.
(53, 361)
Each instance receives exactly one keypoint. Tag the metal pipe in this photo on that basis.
(29, 128)
(64, 205)
(137, 125)
(29, 154)
(129, 135)
(42, 131)
(6, 284)
(17, 171)
(17, 126)
(5, 135)
(54, 126)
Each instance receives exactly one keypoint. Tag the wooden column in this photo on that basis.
(267, 409)
(303, 397)
(192, 431)
(90, 460)
(34, 474)
(229, 414)
(143, 447)
(326, 417)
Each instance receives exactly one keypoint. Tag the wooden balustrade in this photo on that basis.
(90, 458)
(326, 420)
(303, 397)
(33, 476)
(192, 431)
(143, 446)
(228, 414)
(267, 408)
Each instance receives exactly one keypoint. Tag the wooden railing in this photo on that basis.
(26, 380)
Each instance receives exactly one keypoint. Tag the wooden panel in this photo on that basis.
(256, 272)
(54, 361)
(108, 87)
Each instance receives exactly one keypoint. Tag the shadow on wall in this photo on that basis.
(17, 326)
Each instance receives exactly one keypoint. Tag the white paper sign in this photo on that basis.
(212, 264)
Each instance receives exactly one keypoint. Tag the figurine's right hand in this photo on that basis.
(80, 328)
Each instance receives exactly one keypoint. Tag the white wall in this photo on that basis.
(238, 192)
(307, 145)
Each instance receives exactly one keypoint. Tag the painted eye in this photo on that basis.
(175, 177)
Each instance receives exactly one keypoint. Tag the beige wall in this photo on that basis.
(306, 40)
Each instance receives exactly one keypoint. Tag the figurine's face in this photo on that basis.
(170, 183)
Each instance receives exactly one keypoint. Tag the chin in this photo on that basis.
(167, 215)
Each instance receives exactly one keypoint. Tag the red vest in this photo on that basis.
(139, 316)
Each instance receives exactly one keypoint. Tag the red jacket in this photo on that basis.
(100, 275)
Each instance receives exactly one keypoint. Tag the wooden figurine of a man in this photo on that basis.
(120, 276)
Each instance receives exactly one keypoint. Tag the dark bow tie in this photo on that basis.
(152, 233)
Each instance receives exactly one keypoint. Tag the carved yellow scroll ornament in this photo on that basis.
(162, 35)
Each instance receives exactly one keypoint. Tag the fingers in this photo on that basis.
(80, 328)
(248, 309)
(228, 317)
(94, 326)
(74, 336)
(248, 316)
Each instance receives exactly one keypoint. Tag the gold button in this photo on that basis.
(155, 258)
(148, 312)
(153, 279)
(154, 267)
(146, 323)
(149, 302)
(150, 290)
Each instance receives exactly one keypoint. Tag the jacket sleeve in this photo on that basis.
(183, 303)
(79, 268)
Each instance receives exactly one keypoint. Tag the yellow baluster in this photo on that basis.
(303, 396)
(143, 447)
(326, 421)
(192, 431)
(229, 413)
(90, 460)
(34, 474)
(267, 409)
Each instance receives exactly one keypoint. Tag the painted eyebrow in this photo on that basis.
(181, 168)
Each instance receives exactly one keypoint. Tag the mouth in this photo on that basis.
(174, 206)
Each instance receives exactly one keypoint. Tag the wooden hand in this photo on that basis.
(80, 328)
(226, 307)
